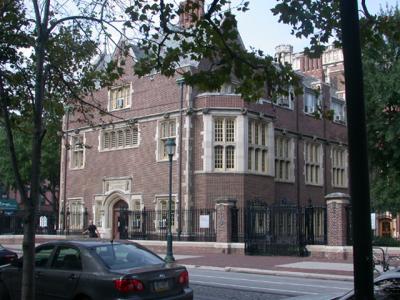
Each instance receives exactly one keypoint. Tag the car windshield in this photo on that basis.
(125, 256)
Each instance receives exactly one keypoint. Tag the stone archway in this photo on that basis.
(114, 200)
(120, 220)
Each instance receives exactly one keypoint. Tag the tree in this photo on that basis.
(381, 58)
(45, 62)
(50, 174)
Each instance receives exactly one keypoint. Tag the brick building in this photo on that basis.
(226, 148)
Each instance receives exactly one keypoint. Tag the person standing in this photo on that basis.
(92, 230)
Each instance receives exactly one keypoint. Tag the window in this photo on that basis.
(283, 159)
(77, 152)
(313, 163)
(67, 258)
(339, 168)
(311, 102)
(162, 212)
(42, 256)
(167, 130)
(224, 144)
(339, 111)
(120, 138)
(125, 256)
(120, 97)
(258, 148)
(286, 100)
(137, 215)
(227, 88)
(76, 211)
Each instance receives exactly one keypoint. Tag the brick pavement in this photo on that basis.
(321, 268)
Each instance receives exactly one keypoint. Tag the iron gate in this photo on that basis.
(283, 229)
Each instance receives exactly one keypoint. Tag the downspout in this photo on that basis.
(181, 83)
(325, 146)
(299, 213)
(67, 110)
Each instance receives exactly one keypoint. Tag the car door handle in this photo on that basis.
(38, 274)
(72, 276)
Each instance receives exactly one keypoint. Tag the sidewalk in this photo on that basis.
(268, 265)
(272, 265)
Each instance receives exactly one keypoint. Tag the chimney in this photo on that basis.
(188, 8)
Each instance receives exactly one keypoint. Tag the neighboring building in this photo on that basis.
(329, 69)
(273, 152)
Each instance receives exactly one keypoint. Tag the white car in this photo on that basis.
(386, 287)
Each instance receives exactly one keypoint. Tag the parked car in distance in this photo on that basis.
(95, 270)
(6, 256)
(386, 287)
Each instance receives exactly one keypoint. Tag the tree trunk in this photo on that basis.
(28, 245)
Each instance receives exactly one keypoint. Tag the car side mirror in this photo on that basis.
(17, 262)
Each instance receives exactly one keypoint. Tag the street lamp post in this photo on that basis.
(170, 147)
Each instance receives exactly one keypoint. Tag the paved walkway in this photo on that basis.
(271, 265)
(275, 265)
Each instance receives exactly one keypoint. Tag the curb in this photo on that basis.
(273, 272)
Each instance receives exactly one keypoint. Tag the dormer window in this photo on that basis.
(286, 100)
(119, 97)
(339, 110)
(311, 102)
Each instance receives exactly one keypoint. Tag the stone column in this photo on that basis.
(224, 219)
(336, 204)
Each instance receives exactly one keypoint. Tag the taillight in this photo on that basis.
(10, 257)
(183, 278)
(128, 285)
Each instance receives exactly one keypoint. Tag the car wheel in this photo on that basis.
(4, 295)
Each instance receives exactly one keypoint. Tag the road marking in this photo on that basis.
(250, 287)
(273, 282)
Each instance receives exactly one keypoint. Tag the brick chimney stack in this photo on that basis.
(185, 18)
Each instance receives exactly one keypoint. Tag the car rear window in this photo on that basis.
(123, 256)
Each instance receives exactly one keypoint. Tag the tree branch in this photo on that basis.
(80, 99)
(211, 9)
(365, 10)
(10, 141)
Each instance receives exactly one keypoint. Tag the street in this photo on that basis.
(213, 285)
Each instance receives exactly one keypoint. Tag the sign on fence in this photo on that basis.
(43, 221)
(204, 221)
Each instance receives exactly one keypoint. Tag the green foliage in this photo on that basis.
(381, 62)
(212, 42)
(314, 19)
(385, 241)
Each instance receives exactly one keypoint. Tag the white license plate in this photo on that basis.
(161, 286)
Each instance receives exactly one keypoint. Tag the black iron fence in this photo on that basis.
(197, 225)
(265, 229)
(13, 222)
(279, 229)
(349, 225)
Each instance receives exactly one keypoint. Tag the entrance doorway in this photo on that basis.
(386, 228)
(120, 220)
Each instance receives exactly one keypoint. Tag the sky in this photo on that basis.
(260, 28)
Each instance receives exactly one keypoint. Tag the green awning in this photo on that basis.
(8, 204)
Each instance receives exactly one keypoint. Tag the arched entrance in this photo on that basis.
(386, 228)
(120, 220)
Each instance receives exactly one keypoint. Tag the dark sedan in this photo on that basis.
(83, 270)
(6, 256)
